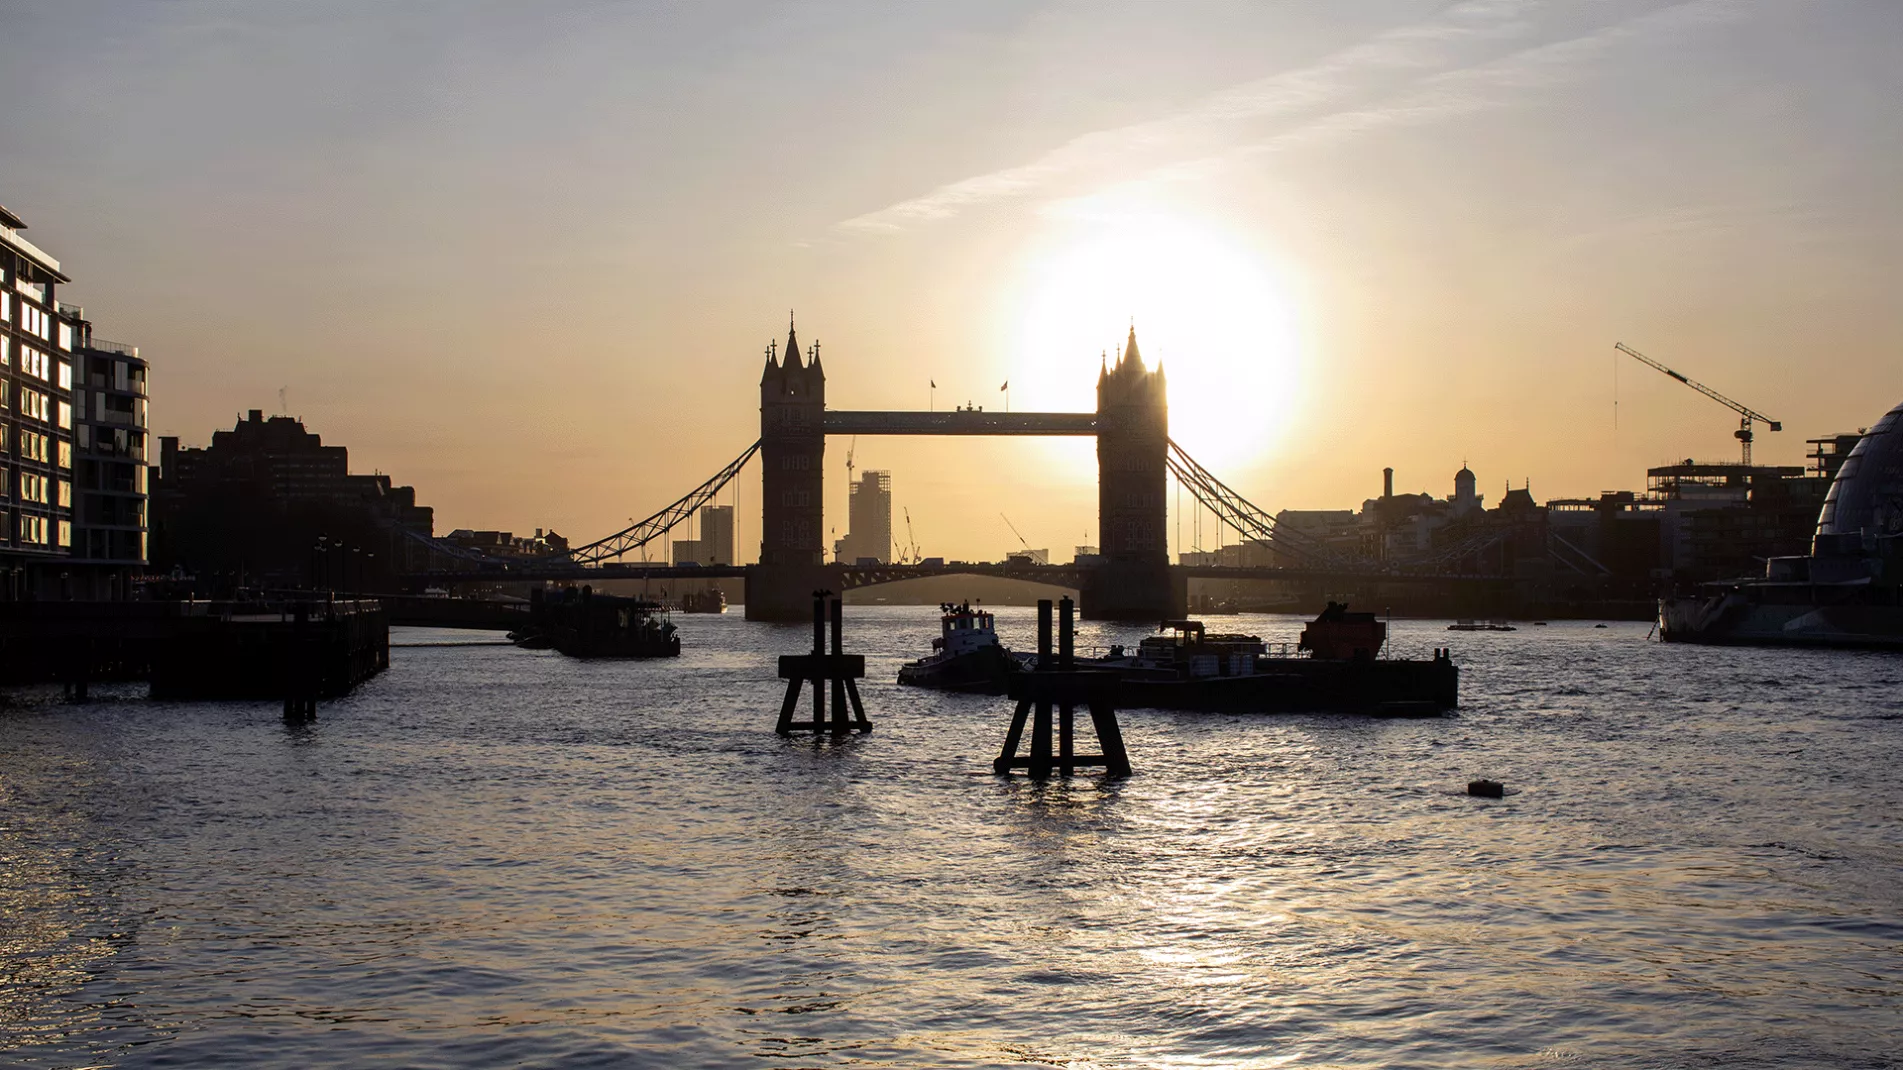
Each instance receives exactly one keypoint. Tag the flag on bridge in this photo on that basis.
(934, 384)
(1006, 386)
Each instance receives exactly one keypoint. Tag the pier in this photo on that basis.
(305, 648)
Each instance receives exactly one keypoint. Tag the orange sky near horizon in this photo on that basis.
(528, 259)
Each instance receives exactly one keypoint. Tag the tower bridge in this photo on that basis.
(1132, 580)
(1131, 425)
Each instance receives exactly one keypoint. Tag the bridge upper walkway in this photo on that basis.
(959, 422)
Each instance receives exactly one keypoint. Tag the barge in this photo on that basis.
(1335, 668)
(583, 624)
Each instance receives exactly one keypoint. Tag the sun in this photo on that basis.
(1206, 307)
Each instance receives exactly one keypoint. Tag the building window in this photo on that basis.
(65, 453)
(6, 351)
(65, 533)
(66, 337)
(65, 376)
(65, 413)
(65, 494)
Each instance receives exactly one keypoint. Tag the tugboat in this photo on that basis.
(1333, 668)
(966, 656)
(583, 624)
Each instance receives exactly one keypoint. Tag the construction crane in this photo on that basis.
(1014, 530)
(1019, 534)
(850, 450)
(1746, 416)
(911, 551)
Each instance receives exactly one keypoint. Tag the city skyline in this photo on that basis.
(511, 258)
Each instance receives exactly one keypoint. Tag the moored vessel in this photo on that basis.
(583, 624)
(966, 656)
(1847, 593)
(1335, 667)
(708, 600)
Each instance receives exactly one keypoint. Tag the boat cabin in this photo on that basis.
(963, 629)
(1189, 647)
(1338, 635)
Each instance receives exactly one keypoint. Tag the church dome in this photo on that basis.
(1867, 495)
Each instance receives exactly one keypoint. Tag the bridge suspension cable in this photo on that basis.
(639, 534)
(627, 540)
(1249, 519)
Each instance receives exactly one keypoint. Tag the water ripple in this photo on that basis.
(490, 857)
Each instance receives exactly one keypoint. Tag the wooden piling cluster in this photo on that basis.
(1058, 686)
(836, 671)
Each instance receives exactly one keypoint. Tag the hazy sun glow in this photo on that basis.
(1210, 310)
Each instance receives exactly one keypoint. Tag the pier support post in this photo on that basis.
(300, 670)
(837, 671)
(1057, 686)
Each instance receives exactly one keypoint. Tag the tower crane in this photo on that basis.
(1015, 531)
(1746, 416)
(850, 450)
(911, 551)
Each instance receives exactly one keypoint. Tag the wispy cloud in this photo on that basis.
(1411, 74)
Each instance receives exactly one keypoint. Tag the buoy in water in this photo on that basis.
(1487, 789)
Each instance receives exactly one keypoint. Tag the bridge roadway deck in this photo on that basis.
(853, 576)
(959, 422)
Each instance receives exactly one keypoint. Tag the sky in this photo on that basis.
(527, 257)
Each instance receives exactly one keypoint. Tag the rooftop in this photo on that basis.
(10, 226)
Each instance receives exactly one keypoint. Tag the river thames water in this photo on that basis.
(495, 857)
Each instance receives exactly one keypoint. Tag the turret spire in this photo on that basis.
(792, 342)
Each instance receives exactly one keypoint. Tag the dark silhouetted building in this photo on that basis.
(267, 503)
(109, 392)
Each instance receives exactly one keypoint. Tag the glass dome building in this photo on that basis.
(1866, 498)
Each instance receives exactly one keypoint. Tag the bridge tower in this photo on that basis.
(1133, 431)
(792, 482)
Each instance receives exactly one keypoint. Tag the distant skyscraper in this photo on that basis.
(715, 545)
(716, 535)
(869, 533)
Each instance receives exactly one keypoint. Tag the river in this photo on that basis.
(495, 857)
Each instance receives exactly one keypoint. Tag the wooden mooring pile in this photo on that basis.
(1048, 698)
(838, 671)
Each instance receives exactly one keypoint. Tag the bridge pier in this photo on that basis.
(784, 593)
(1134, 591)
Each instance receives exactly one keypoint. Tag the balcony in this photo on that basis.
(124, 384)
(100, 345)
